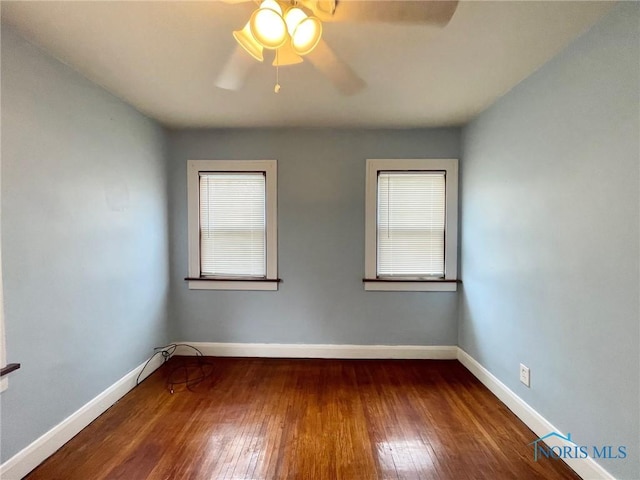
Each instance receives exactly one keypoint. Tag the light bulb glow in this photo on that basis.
(293, 17)
(306, 35)
(271, 5)
(268, 28)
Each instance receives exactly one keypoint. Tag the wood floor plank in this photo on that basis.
(306, 419)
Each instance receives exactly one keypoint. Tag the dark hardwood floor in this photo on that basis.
(307, 419)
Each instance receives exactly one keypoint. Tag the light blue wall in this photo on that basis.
(84, 240)
(550, 214)
(321, 180)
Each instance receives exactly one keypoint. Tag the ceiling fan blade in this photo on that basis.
(408, 12)
(235, 71)
(337, 71)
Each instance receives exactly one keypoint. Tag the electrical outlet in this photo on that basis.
(524, 375)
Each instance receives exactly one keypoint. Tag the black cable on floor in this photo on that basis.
(188, 371)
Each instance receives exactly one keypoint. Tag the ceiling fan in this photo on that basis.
(293, 30)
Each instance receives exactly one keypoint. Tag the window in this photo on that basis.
(232, 224)
(411, 225)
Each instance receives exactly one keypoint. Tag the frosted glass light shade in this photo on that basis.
(272, 5)
(306, 35)
(268, 28)
(305, 31)
(248, 42)
(286, 56)
(293, 17)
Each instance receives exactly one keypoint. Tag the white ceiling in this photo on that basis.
(163, 57)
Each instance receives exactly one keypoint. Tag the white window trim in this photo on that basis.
(449, 283)
(269, 167)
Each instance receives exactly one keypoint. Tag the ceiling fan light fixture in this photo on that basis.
(286, 56)
(293, 17)
(267, 25)
(306, 35)
(248, 42)
(271, 5)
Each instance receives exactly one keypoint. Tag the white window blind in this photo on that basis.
(232, 224)
(411, 224)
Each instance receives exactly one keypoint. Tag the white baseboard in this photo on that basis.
(289, 350)
(587, 468)
(34, 454)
